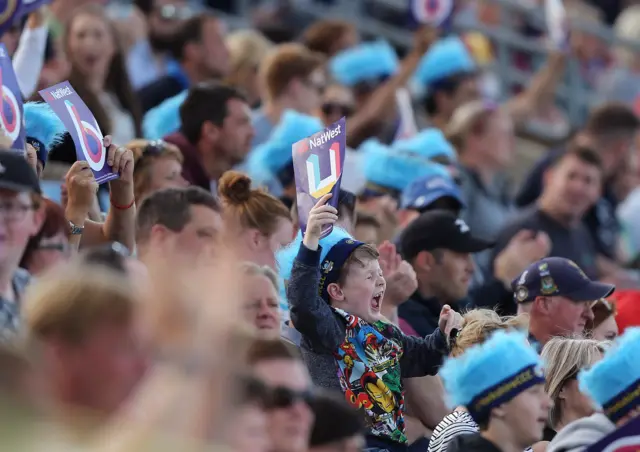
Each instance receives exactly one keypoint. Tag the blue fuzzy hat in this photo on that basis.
(370, 61)
(388, 171)
(163, 119)
(335, 250)
(429, 144)
(272, 159)
(614, 382)
(492, 373)
(43, 128)
(445, 58)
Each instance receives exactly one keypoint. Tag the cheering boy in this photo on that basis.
(335, 290)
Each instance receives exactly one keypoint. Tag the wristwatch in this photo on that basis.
(75, 229)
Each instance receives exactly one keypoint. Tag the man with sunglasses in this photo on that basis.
(21, 216)
(289, 398)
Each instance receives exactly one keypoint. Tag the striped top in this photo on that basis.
(452, 425)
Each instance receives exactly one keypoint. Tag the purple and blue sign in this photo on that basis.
(13, 10)
(318, 161)
(623, 439)
(11, 112)
(82, 126)
(437, 13)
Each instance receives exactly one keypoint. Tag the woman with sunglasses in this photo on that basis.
(603, 327)
(337, 102)
(157, 165)
(51, 245)
(564, 358)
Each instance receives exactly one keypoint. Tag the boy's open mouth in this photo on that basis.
(376, 301)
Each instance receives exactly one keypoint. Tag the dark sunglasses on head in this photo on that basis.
(329, 108)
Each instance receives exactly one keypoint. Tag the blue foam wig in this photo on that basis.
(43, 128)
(269, 159)
(286, 256)
(369, 61)
(614, 382)
(490, 374)
(163, 119)
(445, 58)
(389, 169)
(429, 144)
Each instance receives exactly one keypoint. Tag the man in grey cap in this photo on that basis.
(21, 217)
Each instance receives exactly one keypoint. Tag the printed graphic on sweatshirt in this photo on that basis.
(369, 373)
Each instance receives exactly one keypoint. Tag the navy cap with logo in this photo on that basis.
(559, 277)
(428, 189)
(16, 174)
(439, 229)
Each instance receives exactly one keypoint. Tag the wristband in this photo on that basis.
(119, 207)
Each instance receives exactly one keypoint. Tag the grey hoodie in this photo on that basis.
(582, 433)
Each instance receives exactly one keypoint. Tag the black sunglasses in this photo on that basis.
(271, 398)
(329, 108)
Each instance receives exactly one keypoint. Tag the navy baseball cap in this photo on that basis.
(559, 277)
(426, 190)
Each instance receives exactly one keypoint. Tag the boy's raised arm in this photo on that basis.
(424, 356)
(310, 314)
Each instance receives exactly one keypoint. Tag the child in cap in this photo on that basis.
(501, 384)
(614, 382)
(335, 290)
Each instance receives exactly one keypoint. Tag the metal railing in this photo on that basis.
(573, 94)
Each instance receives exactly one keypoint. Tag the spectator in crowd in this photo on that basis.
(22, 214)
(178, 222)
(292, 78)
(330, 36)
(261, 307)
(260, 223)
(215, 133)
(150, 58)
(510, 419)
(337, 426)
(439, 246)
(202, 56)
(484, 139)
(248, 426)
(291, 415)
(43, 130)
(337, 102)
(565, 358)
(83, 319)
(116, 258)
(345, 275)
(477, 326)
(99, 74)
(572, 185)
(611, 132)
(247, 49)
(614, 375)
(557, 295)
(603, 327)
(436, 190)
(50, 246)
(157, 165)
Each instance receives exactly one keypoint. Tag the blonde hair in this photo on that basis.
(251, 269)
(627, 27)
(247, 48)
(479, 324)
(142, 161)
(469, 118)
(69, 302)
(564, 358)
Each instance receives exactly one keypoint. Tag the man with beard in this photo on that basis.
(150, 59)
(201, 55)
